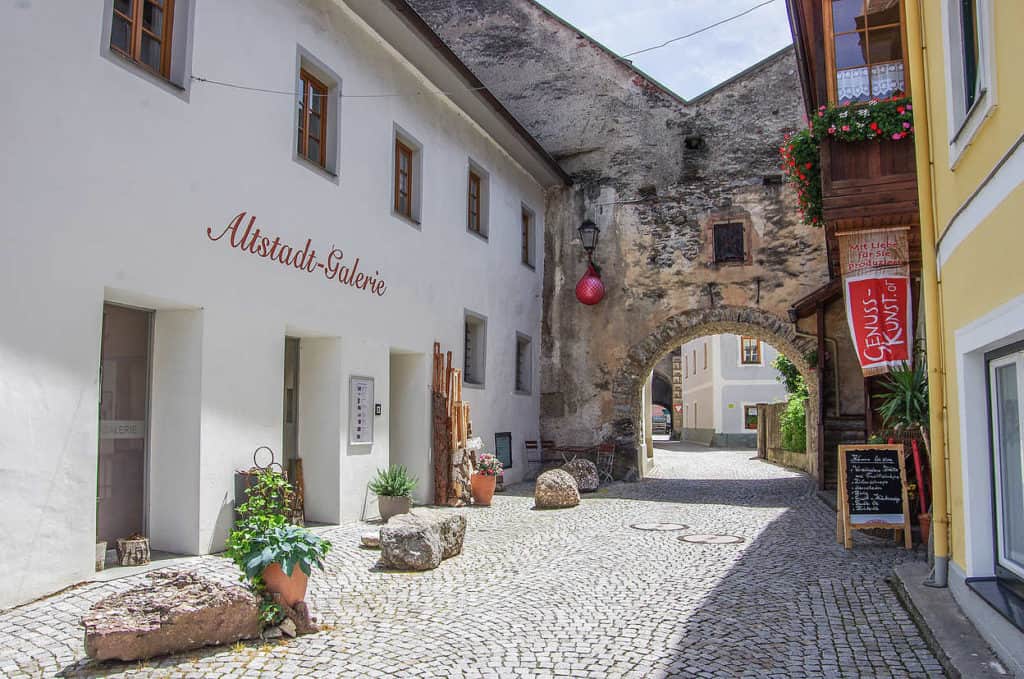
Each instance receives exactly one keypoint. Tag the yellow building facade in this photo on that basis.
(969, 111)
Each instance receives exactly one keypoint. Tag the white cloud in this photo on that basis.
(689, 66)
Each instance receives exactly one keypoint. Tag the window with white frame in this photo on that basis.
(1006, 398)
(970, 63)
(524, 364)
(474, 356)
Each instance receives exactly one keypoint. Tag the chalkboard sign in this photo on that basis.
(872, 490)
(503, 448)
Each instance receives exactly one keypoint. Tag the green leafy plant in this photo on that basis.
(904, 399)
(790, 376)
(266, 507)
(396, 481)
(288, 546)
(488, 465)
(793, 425)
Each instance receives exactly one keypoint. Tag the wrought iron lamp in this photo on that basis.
(589, 233)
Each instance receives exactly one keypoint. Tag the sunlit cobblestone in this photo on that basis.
(574, 593)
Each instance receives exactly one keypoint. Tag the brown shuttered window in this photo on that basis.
(403, 179)
(312, 138)
(474, 202)
(527, 239)
(141, 31)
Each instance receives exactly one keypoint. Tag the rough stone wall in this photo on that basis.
(654, 172)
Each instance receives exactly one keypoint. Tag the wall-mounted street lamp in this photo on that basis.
(590, 289)
(589, 233)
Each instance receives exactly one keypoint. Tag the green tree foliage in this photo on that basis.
(793, 425)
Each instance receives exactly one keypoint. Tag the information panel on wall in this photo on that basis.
(872, 490)
(360, 410)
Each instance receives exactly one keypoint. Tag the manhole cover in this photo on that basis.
(701, 539)
(659, 525)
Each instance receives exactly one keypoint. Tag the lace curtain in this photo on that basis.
(852, 84)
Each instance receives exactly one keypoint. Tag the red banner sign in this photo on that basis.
(678, 407)
(876, 275)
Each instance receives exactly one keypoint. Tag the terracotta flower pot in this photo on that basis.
(483, 489)
(291, 588)
(924, 522)
(389, 505)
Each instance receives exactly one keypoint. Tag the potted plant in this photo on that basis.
(393, 488)
(484, 478)
(904, 407)
(274, 554)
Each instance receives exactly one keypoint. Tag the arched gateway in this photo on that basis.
(627, 386)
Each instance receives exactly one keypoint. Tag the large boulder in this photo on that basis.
(585, 473)
(178, 611)
(556, 489)
(419, 540)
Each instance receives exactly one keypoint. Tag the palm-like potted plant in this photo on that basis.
(484, 478)
(393, 488)
(904, 406)
(283, 557)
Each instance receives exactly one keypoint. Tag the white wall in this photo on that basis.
(110, 183)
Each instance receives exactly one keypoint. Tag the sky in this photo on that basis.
(693, 65)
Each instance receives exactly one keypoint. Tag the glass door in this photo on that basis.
(1006, 379)
(124, 401)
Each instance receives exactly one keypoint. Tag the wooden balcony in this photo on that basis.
(869, 184)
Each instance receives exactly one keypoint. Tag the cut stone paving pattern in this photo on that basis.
(573, 592)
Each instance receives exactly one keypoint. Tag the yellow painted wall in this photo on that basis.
(986, 270)
(998, 133)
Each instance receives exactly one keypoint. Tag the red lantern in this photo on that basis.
(590, 289)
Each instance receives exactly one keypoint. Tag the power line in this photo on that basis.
(700, 30)
(418, 93)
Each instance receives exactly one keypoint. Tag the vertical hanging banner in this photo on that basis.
(876, 276)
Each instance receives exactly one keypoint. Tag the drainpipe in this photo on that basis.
(930, 285)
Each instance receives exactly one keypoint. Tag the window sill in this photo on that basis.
(316, 169)
(963, 134)
(520, 392)
(407, 220)
(472, 385)
(146, 73)
(478, 234)
(1000, 597)
(529, 266)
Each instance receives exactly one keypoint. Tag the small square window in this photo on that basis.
(474, 355)
(729, 247)
(524, 364)
(141, 30)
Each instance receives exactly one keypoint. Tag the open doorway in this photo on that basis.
(123, 423)
(291, 462)
(409, 420)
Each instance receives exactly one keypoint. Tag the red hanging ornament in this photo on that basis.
(590, 289)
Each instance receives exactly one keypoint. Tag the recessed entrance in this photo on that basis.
(124, 427)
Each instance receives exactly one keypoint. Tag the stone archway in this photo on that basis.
(641, 358)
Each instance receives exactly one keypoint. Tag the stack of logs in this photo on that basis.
(453, 464)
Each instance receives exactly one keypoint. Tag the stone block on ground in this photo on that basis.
(177, 611)
(407, 540)
(556, 489)
(370, 539)
(585, 474)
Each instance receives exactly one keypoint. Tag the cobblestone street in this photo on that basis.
(575, 592)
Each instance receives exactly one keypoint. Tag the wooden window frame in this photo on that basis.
(705, 355)
(474, 203)
(136, 31)
(403, 149)
(745, 425)
(743, 351)
(830, 57)
(311, 85)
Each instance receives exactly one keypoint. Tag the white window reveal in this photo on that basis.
(970, 63)
(1006, 384)
(524, 364)
(474, 357)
